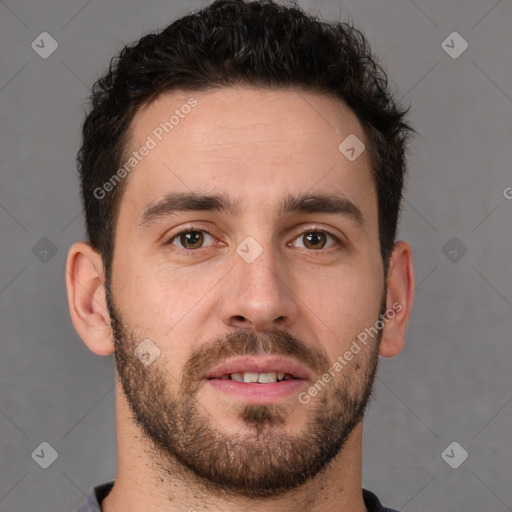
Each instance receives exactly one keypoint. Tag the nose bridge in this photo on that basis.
(256, 295)
(257, 267)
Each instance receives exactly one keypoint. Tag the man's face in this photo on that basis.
(274, 277)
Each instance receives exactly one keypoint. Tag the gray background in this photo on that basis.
(451, 382)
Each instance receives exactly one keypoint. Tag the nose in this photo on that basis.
(258, 295)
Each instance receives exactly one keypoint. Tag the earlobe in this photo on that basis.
(399, 299)
(86, 297)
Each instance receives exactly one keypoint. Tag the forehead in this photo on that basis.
(254, 144)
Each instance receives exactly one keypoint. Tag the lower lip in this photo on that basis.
(253, 392)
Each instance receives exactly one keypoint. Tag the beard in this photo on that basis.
(186, 442)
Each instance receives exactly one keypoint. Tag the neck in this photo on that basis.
(142, 484)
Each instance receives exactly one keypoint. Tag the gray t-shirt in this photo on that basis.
(98, 492)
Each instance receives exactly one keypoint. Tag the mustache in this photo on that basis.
(246, 342)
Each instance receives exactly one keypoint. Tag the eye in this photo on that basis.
(191, 239)
(316, 239)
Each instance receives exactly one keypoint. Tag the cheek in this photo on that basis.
(341, 307)
(163, 300)
(160, 312)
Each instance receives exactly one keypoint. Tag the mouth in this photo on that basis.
(261, 369)
(263, 379)
(260, 378)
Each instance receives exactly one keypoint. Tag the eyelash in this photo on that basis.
(190, 229)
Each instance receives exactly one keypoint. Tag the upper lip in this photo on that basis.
(258, 364)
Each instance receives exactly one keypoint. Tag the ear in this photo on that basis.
(85, 283)
(399, 299)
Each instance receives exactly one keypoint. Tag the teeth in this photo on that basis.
(262, 378)
(267, 377)
(250, 377)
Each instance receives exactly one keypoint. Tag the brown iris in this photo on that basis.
(314, 238)
(192, 239)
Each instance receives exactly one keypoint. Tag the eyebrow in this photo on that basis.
(176, 202)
